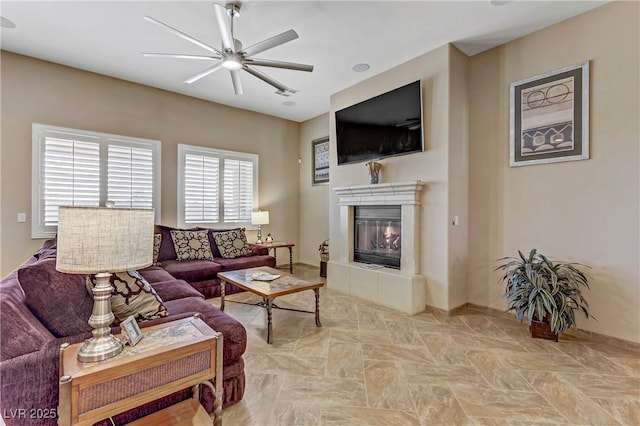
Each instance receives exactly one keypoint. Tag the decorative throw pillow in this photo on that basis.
(131, 294)
(232, 244)
(191, 245)
(212, 242)
(57, 299)
(157, 240)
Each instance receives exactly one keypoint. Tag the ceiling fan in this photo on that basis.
(232, 56)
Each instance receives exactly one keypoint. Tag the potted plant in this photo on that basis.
(544, 292)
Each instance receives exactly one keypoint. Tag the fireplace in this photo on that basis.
(377, 231)
(370, 220)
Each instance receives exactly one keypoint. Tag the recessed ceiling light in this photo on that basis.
(360, 67)
(6, 23)
(288, 103)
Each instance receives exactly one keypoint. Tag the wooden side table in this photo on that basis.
(170, 357)
(280, 244)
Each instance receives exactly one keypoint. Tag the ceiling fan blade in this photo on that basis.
(224, 26)
(204, 73)
(262, 76)
(180, 56)
(183, 35)
(271, 43)
(237, 85)
(278, 64)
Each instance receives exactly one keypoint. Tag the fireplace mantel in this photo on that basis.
(397, 193)
(402, 289)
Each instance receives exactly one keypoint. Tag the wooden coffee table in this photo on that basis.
(269, 290)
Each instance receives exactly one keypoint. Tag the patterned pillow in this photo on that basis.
(157, 240)
(131, 294)
(191, 245)
(232, 244)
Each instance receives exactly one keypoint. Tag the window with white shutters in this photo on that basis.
(130, 176)
(81, 168)
(216, 187)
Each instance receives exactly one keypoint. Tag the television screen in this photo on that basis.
(389, 124)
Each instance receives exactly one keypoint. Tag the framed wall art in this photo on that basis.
(549, 117)
(320, 160)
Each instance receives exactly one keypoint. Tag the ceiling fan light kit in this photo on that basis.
(232, 56)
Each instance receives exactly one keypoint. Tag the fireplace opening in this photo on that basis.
(377, 235)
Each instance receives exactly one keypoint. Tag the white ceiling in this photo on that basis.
(107, 37)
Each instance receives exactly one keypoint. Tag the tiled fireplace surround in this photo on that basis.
(404, 289)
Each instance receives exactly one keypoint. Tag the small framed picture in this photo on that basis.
(320, 160)
(131, 331)
(549, 117)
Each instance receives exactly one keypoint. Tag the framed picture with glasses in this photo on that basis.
(549, 117)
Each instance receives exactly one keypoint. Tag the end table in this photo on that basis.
(280, 244)
(170, 357)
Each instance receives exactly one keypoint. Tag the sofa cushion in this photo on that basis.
(175, 289)
(235, 336)
(155, 274)
(245, 262)
(21, 332)
(132, 295)
(232, 244)
(192, 270)
(157, 240)
(167, 250)
(191, 245)
(60, 301)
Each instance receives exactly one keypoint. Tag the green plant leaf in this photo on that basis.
(536, 286)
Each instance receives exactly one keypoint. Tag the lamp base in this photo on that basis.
(259, 240)
(99, 349)
(102, 344)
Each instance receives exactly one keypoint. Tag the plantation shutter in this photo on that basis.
(130, 176)
(216, 187)
(81, 168)
(71, 174)
(238, 190)
(201, 189)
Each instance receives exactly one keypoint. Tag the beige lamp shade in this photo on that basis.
(99, 239)
(260, 218)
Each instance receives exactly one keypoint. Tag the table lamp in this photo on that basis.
(259, 218)
(100, 241)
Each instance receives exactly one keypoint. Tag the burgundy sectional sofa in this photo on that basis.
(203, 274)
(49, 308)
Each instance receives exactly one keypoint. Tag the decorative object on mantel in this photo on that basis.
(374, 171)
(100, 240)
(547, 293)
(549, 117)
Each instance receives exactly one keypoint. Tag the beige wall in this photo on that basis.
(458, 196)
(430, 166)
(583, 211)
(314, 199)
(35, 91)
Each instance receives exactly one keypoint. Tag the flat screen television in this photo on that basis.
(389, 124)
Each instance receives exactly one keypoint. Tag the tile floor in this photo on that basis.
(369, 365)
